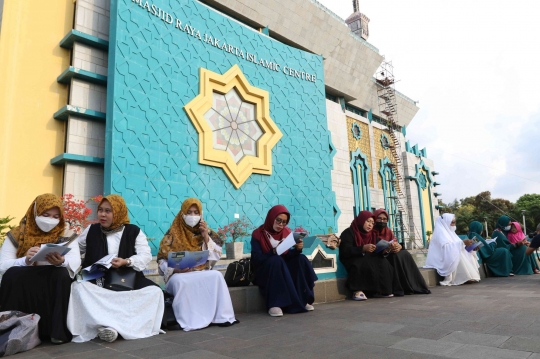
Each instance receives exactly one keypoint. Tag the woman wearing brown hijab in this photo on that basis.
(39, 287)
(97, 311)
(201, 297)
(368, 272)
(405, 269)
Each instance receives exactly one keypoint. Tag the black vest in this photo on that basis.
(96, 244)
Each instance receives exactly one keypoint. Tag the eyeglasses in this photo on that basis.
(281, 221)
(382, 220)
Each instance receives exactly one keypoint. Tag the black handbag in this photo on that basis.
(239, 273)
(120, 279)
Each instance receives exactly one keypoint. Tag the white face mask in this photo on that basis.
(191, 221)
(507, 228)
(453, 228)
(46, 224)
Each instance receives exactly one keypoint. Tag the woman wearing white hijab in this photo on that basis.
(447, 254)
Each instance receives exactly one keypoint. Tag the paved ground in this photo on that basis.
(497, 318)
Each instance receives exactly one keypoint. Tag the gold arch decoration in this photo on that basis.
(238, 137)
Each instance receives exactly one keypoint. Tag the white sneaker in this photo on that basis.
(275, 312)
(107, 334)
(309, 307)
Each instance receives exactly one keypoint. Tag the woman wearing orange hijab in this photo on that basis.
(94, 310)
(39, 287)
(201, 297)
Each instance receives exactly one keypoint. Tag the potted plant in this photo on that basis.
(236, 230)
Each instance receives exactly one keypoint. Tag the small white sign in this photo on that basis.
(236, 215)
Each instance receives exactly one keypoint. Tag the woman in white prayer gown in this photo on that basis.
(96, 311)
(201, 297)
(447, 254)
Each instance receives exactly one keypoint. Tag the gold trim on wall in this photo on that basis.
(381, 153)
(363, 143)
(211, 82)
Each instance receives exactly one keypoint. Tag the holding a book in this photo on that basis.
(40, 284)
(122, 301)
(201, 297)
(284, 275)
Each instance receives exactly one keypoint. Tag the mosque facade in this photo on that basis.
(243, 104)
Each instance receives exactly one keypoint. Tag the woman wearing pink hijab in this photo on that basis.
(517, 237)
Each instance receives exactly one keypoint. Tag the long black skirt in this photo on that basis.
(43, 290)
(407, 273)
(286, 283)
(371, 274)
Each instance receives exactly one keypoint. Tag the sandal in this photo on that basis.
(359, 296)
(536, 271)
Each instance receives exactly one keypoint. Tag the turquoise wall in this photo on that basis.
(152, 146)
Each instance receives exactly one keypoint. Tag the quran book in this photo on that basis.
(98, 269)
(48, 249)
(186, 259)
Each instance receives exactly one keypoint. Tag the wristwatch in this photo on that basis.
(129, 262)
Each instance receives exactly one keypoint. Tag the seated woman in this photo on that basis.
(369, 273)
(516, 236)
(39, 287)
(200, 297)
(521, 264)
(498, 260)
(97, 311)
(286, 281)
(447, 254)
(406, 271)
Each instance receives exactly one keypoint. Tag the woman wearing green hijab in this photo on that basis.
(498, 260)
(520, 263)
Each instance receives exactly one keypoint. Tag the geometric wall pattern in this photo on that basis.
(152, 147)
(233, 120)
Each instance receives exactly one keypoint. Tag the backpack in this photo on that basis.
(239, 273)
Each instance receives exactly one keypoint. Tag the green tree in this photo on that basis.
(531, 204)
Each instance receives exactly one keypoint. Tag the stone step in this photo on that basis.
(248, 299)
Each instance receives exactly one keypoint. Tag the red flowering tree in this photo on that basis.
(236, 230)
(76, 212)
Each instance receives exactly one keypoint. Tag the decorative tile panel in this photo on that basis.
(152, 148)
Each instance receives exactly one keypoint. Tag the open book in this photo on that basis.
(186, 259)
(98, 269)
(382, 245)
(47, 249)
(475, 244)
(286, 244)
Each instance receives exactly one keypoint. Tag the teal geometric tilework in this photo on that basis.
(152, 147)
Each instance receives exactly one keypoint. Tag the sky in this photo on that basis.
(474, 67)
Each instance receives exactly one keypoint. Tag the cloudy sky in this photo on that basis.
(475, 68)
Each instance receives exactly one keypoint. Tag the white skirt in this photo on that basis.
(467, 270)
(200, 298)
(133, 314)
